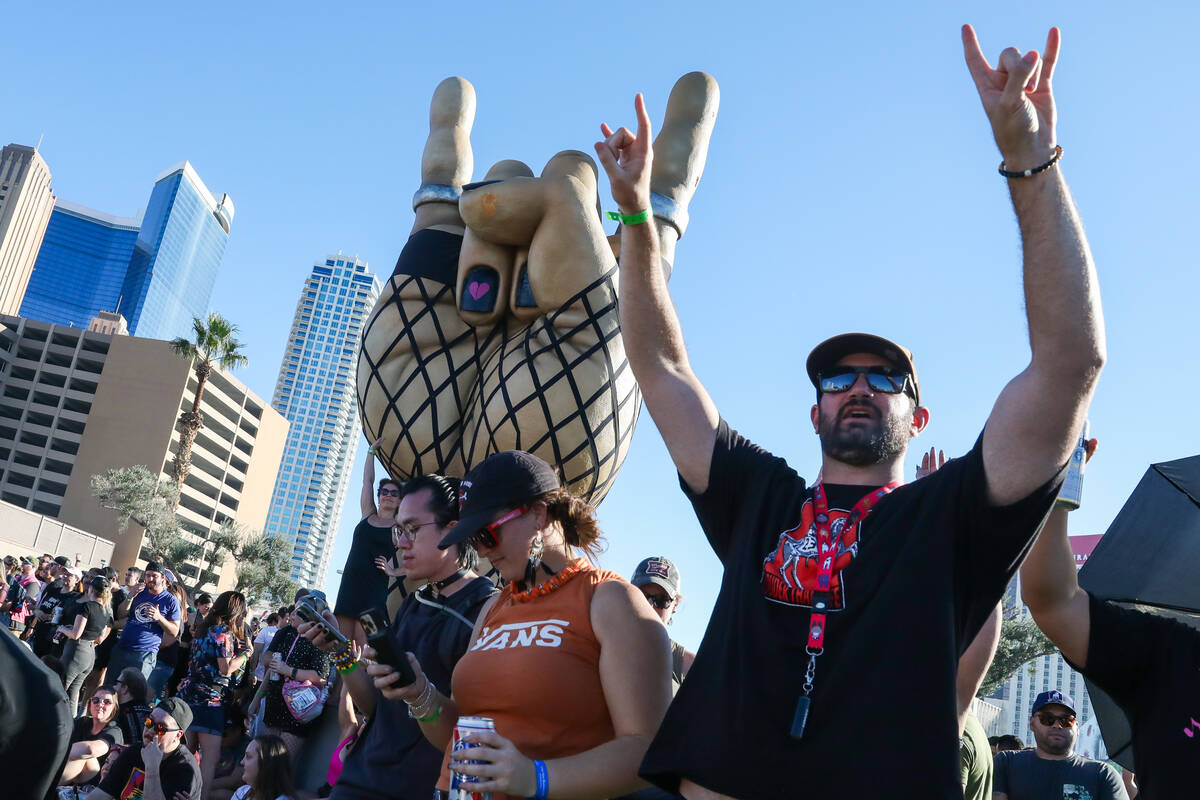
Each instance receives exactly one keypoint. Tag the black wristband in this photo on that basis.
(1058, 151)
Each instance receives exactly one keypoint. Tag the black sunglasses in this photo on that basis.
(1054, 720)
(840, 379)
(659, 602)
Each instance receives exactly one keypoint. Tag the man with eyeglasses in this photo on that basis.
(850, 601)
(658, 580)
(1051, 769)
(162, 767)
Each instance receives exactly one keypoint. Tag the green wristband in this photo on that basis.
(630, 219)
(433, 716)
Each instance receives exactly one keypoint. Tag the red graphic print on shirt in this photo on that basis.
(790, 570)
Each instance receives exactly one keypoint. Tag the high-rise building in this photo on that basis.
(176, 256)
(81, 267)
(75, 403)
(315, 393)
(26, 201)
(158, 271)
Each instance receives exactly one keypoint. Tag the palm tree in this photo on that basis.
(213, 343)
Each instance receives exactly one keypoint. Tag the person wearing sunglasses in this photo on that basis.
(658, 580)
(364, 584)
(825, 583)
(162, 767)
(1051, 768)
(569, 660)
(95, 734)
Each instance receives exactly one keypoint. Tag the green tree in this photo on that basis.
(140, 497)
(213, 343)
(1021, 641)
(262, 562)
(263, 567)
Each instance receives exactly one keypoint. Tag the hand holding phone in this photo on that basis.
(308, 614)
(387, 652)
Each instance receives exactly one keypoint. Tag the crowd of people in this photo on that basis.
(853, 624)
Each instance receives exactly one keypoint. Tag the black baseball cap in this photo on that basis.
(830, 351)
(154, 566)
(502, 480)
(178, 710)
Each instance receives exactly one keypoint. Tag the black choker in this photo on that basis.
(444, 582)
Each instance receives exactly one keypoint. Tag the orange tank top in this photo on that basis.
(535, 670)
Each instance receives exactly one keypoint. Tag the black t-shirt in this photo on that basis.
(305, 655)
(110, 733)
(393, 759)
(178, 772)
(1150, 666)
(97, 619)
(917, 581)
(1022, 775)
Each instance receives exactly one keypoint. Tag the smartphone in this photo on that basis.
(306, 613)
(375, 624)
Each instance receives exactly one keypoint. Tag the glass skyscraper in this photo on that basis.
(160, 269)
(315, 393)
(81, 266)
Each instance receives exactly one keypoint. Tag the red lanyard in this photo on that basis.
(827, 553)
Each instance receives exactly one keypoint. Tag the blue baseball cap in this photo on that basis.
(1052, 697)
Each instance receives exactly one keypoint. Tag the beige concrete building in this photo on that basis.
(75, 403)
(26, 201)
(27, 533)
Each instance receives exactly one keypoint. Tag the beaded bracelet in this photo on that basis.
(1058, 151)
(344, 659)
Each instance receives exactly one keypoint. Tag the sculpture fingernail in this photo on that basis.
(479, 290)
(525, 298)
(469, 186)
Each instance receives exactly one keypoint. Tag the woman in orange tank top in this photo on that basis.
(569, 660)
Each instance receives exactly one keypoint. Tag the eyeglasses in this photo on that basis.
(661, 602)
(103, 701)
(880, 379)
(409, 531)
(389, 492)
(486, 536)
(1054, 720)
(158, 727)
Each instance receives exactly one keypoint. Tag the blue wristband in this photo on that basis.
(543, 780)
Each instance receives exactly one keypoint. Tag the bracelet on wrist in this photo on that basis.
(1058, 152)
(542, 776)
(630, 219)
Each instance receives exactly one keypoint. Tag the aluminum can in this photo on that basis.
(460, 785)
(56, 615)
(1071, 495)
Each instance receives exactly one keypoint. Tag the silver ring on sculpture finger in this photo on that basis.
(436, 193)
(670, 212)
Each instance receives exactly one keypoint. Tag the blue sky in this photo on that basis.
(851, 185)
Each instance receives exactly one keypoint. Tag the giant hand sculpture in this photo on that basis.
(498, 328)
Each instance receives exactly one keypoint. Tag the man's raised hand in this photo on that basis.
(1018, 98)
(627, 159)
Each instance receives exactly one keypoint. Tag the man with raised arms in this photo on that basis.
(828, 666)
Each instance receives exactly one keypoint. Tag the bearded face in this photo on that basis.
(862, 431)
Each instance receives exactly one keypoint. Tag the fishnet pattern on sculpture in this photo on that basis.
(560, 387)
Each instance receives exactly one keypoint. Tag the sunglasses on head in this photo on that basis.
(1054, 720)
(836, 380)
(659, 601)
(158, 727)
(486, 536)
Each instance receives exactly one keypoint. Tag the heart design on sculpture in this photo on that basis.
(478, 289)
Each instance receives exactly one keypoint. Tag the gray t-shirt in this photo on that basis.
(1022, 775)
